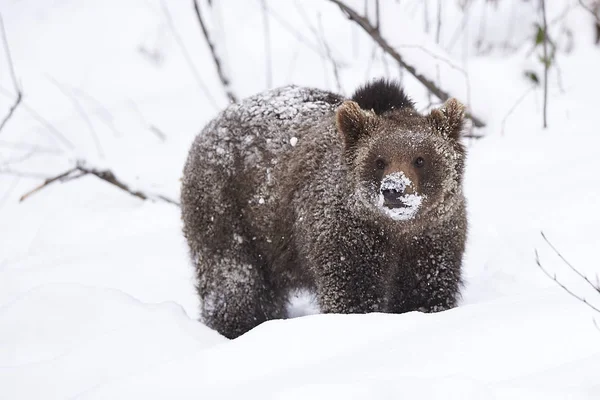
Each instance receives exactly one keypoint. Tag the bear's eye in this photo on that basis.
(419, 162)
(380, 164)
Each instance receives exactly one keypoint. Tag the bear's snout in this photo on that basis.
(392, 196)
(394, 187)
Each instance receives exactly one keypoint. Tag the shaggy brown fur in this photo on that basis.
(296, 188)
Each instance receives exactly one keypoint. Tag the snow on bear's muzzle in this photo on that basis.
(397, 199)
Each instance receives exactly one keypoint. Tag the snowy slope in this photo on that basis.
(97, 297)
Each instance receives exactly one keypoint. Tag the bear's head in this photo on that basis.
(404, 165)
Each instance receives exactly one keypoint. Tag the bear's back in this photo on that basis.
(234, 166)
(264, 126)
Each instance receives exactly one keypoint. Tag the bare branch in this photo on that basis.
(566, 289)
(334, 64)
(590, 10)
(47, 182)
(11, 110)
(56, 134)
(159, 133)
(377, 15)
(295, 32)
(224, 79)
(106, 175)
(582, 276)
(18, 160)
(546, 63)
(267, 39)
(366, 25)
(11, 68)
(514, 107)
(438, 28)
(21, 174)
(187, 57)
(82, 113)
(98, 108)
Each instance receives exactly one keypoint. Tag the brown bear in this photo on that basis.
(360, 201)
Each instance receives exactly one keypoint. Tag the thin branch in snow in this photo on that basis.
(30, 146)
(514, 107)
(103, 113)
(187, 57)
(225, 81)
(310, 27)
(82, 113)
(49, 181)
(590, 10)
(364, 23)
(21, 174)
(377, 16)
(566, 289)
(51, 128)
(161, 135)
(267, 44)
(294, 32)
(106, 175)
(582, 276)
(334, 65)
(438, 28)
(18, 160)
(13, 76)
(319, 33)
(546, 63)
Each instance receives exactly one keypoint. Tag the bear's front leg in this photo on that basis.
(428, 279)
(350, 281)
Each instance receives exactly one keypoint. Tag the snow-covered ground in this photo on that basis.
(97, 296)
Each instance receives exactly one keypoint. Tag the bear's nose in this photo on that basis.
(392, 196)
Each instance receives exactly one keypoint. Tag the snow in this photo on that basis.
(97, 296)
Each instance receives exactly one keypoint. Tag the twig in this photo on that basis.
(30, 146)
(161, 135)
(295, 32)
(82, 113)
(546, 63)
(224, 79)
(187, 57)
(47, 182)
(334, 64)
(377, 16)
(103, 113)
(324, 57)
(473, 136)
(566, 289)
(12, 109)
(267, 43)
(514, 107)
(106, 175)
(51, 128)
(438, 28)
(21, 174)
(582, 276)
(590, 10)
(17, 160)
(364, 23)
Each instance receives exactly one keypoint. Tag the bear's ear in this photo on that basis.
(449, 120)
(352, 122)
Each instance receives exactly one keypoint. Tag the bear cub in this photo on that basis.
(360, 201)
